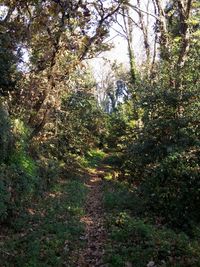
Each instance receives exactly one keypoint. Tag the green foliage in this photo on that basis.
(115, 159)
(119, 197)
(155, 132)
(19, 176)
(49, 171)
(162, 155)
(81, 124)
(135, 239)
(5, 134)
(47, 232)
(121, 123)
(20, 156)
(5, 196)
(92, 158)
(139, 243)
(172, 188)
(8, 61)
(17, 187)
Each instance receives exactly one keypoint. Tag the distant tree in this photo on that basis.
(112, 86)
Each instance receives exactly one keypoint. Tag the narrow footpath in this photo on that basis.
(95, 235)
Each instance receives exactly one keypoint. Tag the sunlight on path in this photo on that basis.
(95, 235)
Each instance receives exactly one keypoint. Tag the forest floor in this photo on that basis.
(95, 233)
(94, 219)
(95, 236)
(65, 226)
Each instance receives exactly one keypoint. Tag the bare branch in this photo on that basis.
(133, 21)
(136, 8)
(96, 35)
(120, 33)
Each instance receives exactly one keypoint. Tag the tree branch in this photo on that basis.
(137, 9)
(96, 35)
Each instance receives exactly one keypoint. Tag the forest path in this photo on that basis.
(95, 234)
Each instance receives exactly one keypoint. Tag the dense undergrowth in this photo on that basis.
(137, 238)
(42, 196)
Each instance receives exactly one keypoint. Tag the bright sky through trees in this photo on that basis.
(119, 50)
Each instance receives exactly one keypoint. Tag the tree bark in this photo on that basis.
(144, 29)
(162, 25)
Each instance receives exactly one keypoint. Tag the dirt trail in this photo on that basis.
(95, 235)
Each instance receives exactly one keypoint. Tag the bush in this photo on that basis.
(81, 124)
(172, 189)
(5, 134)
(49, 170)
(18, 176)
(16, 188)
(121, 197)
(138, 243)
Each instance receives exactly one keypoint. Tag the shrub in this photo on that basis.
(18, 176)
(139, 243)
(5, 134)
(172, 188)
(16, 187)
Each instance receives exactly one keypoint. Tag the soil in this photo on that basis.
(95, 234)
